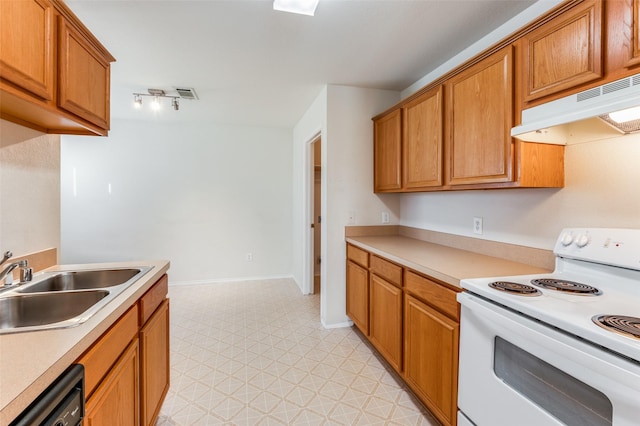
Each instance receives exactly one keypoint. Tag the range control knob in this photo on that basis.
(566, 239)
(582, 240)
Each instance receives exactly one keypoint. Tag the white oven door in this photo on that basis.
(518, 371)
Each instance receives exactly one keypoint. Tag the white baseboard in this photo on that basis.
(336, 325)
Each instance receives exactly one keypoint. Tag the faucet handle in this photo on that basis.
(7, 255)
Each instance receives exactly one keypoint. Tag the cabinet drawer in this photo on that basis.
(357, 255)
(434, 294)
(105, 352)
(387, 270)
(153, 298)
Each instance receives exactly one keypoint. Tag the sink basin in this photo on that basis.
(82, 280)
(31, 310)
(60, 299)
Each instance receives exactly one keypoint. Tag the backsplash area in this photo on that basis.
(601, 178)
(29, 189)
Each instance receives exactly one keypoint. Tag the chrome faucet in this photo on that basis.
(26, 273)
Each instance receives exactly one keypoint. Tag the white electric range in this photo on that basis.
(556, 349)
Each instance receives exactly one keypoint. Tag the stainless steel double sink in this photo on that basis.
(63, 299)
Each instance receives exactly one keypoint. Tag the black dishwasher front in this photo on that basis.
(61, 404)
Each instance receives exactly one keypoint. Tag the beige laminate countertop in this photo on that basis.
(447, 264)
(29, 362)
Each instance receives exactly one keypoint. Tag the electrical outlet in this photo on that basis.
(477, 225)
(352, 218)
(249, 257)
(385, 217)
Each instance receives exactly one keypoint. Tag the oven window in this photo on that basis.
(561, 395)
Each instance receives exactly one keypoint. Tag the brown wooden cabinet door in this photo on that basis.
(565, 52)
(358, 296)
(115, 401)
(422, 141)
(385, 320)
(479, 120)
(155, 369)
(84, 77)
(27, 45)
(387, 152)
(634, 48)
(431, 358)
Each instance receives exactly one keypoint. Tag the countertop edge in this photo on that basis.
(508, 266)
(406, 263)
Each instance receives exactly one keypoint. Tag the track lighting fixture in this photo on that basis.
(157, 95)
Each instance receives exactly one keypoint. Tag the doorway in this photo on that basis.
(316, 208)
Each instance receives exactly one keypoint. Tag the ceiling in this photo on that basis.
(251, 65)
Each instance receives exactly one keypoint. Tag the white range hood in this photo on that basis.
(539, 123)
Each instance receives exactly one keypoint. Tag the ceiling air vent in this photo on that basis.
(187, 93)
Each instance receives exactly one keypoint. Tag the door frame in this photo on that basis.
(308, 213)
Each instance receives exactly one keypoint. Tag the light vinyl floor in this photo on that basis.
(255, 353)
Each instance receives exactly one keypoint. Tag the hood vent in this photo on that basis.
(596, 102)
(187, 93)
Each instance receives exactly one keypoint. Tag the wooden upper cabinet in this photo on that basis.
(564, 53)
(27, 45)
(422, 141)
(54, 74)
(631, 28)
(387, 152)
(83, 76)
(478, 122)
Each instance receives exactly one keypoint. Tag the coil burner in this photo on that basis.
(566, 286)
(627, 326)
(515, 288)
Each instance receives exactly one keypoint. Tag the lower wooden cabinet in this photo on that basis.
(154, 360)
(127, 368)
(115, 400)
(413, 322)
(385, 320)
(358, 296)
(431, 358)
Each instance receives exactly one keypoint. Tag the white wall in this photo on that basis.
(343, 114)
(200, 195)
(29, 189)
(601, 190)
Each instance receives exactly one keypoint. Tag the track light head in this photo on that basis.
(158, 94)
(137, 101)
